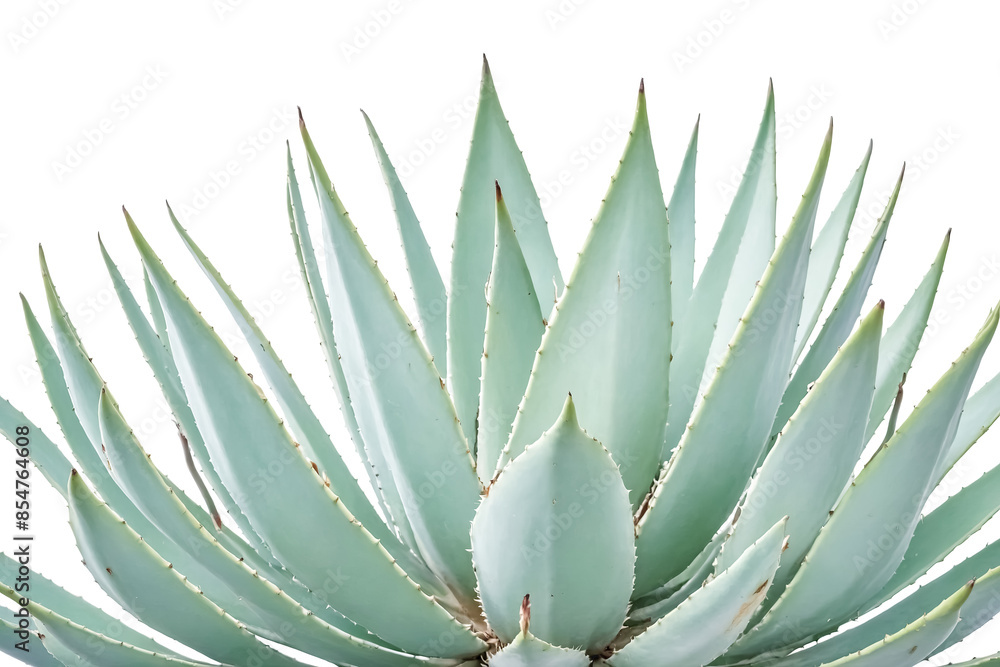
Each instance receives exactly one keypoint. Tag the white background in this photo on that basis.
(157, 101)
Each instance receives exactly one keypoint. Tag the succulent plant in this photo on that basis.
(632, 467)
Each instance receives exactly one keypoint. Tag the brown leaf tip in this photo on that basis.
(881, 304)
(525, 614)
(302, 120)
(642, 86)
(499, 194)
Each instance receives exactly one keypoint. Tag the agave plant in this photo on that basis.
(632, 467)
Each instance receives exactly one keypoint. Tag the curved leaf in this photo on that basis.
(148, 586)
(826, 255)
(704, 480)
(403, 408)
(981, 410)
(862, 544)
(839, 324)
(942, 530)
(609, 340)
(60, 601)
(680, 213)
(493, 156)
(544, 510)
(303, 421)
(702, 627)
(902, 339)
(812, 461)
(752, 208)
(914, 642)
(425, 279)
(908, 610)
(309, 270)
(36, 657)
(514, 328)
(287, 503)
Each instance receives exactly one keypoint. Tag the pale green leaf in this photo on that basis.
(609, 339)
(914, 642)
(812, 461)
(702, 627)
(148, 587)
(248, 444)
(865, 539)
(752, 207)
(827, 253)
(704, 480)
(425, 279)
(561, 498)
(403, 408)
(493, 156)
(680, 212)
(902, 339)
(981, 410)
(839, 324)
(514, 328)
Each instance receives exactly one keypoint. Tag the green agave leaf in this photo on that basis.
(36, 657)
(60, 601)
(902, 339)
(752, 209)
(680, 212)
(403, 408)
(149, 588)
(493, 156)
(942, 530)
(543, 511)
(92, 463)
(80, 375)
(865, 539)
(981, 410)
(657, 604)
(288, 504)
(990, 661)
(309, 269)
(165, 371)
(45, 455)
(979, 609)
(514, 328)
(841, 321)
(284, 619)
(916, 641)
(527, 650)
(609, 340)
(827, 253)
(812, 461)
(302, 420)
(707, 475)
(155, 311)
(911, 609)
(425, 279)
(701, 628)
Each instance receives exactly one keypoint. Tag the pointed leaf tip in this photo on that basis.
(881, 304)
(568, 415)
(642, 86)
(525, 614)
(302, 120)
(499, 194)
